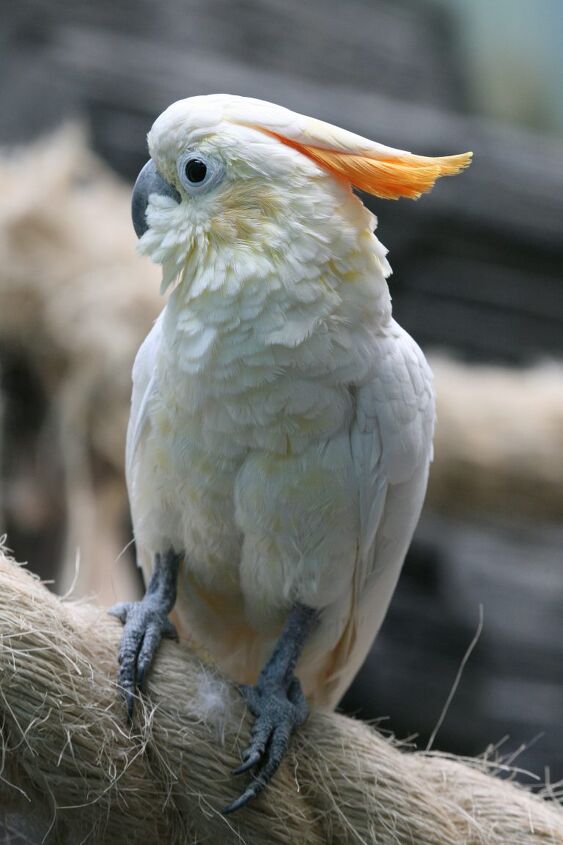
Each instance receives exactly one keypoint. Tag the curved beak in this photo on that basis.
(149, 181)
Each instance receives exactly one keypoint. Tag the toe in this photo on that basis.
(131, 642)
(130, 697)
(120, 610)
(147, 651)
(259, 736)
(260, 733)
(275, 754)
(127, 676)
(144, 629)
(252, 697)
(277, 748)
(127, 684)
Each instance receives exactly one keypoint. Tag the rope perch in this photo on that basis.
(74, 771)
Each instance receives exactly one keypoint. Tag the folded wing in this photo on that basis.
(391, 444)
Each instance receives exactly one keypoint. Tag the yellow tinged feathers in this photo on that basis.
(382, 172)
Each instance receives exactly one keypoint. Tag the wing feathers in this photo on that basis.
(391, 444)
(143, 387)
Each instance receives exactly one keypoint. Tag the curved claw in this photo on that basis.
(276, 753)
(279, 712)
(250, 760)
(249, 793)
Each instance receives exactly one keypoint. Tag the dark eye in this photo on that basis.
(196, 170)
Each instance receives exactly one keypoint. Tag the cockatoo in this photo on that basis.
(281, 424)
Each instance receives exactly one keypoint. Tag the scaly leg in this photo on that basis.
(278, 703)
(146, 622)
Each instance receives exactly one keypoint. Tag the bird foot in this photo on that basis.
(279, 710)
(146, 623)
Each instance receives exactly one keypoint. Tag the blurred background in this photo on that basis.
(477, 282)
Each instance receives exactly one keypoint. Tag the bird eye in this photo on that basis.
(198, 173)
(196, 170)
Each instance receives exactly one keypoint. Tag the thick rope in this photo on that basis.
(76, 773)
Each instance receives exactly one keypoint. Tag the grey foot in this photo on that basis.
(145, 625)
(278, 712)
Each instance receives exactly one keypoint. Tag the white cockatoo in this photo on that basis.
(281, 423)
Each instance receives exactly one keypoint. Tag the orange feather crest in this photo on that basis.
(383, 172)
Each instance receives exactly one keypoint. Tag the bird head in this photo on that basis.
(230, 175)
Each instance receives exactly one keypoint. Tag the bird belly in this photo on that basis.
(182, 495)
(189, 493)
(260, 530)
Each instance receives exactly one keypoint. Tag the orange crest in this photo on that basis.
(381, 171)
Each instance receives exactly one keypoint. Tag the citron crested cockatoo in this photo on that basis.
(281, 423)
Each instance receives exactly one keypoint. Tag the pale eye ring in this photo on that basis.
(198, 172)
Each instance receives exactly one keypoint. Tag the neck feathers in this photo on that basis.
(310, 298)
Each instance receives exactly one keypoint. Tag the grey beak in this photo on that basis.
(149, 181)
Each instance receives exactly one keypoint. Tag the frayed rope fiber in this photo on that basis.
(74, 772)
